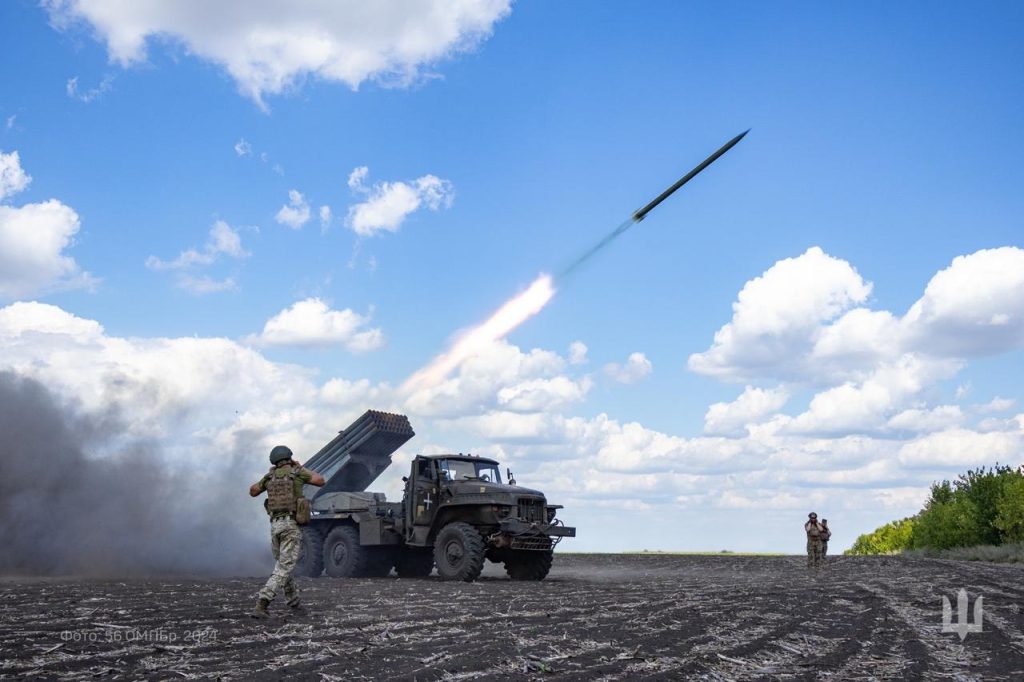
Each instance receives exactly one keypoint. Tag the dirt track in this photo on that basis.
(596, 617)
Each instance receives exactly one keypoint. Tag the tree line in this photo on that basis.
(981, 507)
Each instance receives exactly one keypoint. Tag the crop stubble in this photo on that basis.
(596, 617)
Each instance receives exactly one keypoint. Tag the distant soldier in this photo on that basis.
(813, 530)
(826, 533)
(283, 485)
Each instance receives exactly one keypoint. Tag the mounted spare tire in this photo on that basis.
(459, 552)
(311, 554)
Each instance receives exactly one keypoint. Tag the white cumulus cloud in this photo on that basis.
(543, 394)
(268, 48)
(803, 320)
(752, 406)
(223, 240)
(388, 204)
(34, 239)
(499, 373)
(997, 404)
(325, 218)
(578, 353)
(312, 322)
(295, 213)
(636, 368)
(974, 307)
(777, 315)
(13, 177)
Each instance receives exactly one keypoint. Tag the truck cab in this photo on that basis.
(451, 498)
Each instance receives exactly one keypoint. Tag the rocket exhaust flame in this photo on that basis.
(513, 313)
(530, 302)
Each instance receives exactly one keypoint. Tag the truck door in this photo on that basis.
(421, 494)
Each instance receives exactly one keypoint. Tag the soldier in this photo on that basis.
(283, 485)
(813, 530)
(826, 533)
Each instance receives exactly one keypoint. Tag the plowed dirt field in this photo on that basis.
(613, 617)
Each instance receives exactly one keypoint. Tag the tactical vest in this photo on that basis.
(813, 531)
(281, 492)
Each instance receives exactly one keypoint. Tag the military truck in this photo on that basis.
(456, 512)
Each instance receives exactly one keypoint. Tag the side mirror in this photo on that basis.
(511, 478)
(405, 479)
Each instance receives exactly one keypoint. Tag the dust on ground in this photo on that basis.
(597, 617)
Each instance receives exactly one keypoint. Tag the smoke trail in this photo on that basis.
(513, 313)
(63, 512)
(598, 246)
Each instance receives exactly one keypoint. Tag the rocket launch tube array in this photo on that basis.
(360, 453)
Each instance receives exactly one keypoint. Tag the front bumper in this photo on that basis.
(518, 534)
(519, 527)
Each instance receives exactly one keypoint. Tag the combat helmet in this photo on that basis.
(280, 453)
(812, 515)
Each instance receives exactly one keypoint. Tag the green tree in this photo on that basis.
(1010, 511)
(984, 488)
(949, 519)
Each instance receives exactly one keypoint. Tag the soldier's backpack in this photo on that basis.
(281, 496)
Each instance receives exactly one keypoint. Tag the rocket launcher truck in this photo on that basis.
(456, 512)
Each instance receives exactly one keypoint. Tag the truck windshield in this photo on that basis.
(461, 470)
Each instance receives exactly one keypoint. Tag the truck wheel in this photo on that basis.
(459, 552)
(311, 554)
(344, 557)
(529, 565)
(414, 562)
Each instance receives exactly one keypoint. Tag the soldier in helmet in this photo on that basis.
(814, 533)
(826, 534)
(283, 485)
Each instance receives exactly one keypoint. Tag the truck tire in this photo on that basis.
(311, 554)
(459, 552)
(413, 562)
(529, 565)
(344, 557)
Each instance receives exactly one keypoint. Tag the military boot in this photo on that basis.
(261, 609)
(296, 606)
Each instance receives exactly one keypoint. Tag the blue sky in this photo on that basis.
(887, 135)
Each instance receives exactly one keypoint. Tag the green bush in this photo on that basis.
(981, 508)
(892, 537)
(946, 524)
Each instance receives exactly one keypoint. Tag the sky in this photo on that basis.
(249, 223)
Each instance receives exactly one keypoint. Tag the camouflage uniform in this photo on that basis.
(826, 534)
(813, 530)
(285, 540)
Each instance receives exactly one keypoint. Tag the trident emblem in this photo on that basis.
(962, 626)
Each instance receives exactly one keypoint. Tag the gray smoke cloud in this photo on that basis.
(64, 510)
